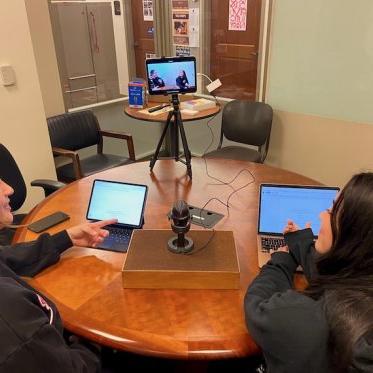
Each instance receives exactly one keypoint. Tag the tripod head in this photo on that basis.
(175, 102)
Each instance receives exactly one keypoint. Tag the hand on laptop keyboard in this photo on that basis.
(292, 227)
(281, 248)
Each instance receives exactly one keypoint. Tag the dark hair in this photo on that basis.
(152, 72)
(345, 274)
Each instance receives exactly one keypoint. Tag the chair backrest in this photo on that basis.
(10, 173)
(74, 131)
(247, 122)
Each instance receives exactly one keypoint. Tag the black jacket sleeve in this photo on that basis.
(301, 247)
(287, 325)
(31, 340)
(29, 258)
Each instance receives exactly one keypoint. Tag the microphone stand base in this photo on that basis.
(187, 248)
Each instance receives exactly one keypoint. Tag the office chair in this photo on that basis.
(71, 132)
(248, 123)
(11, 174)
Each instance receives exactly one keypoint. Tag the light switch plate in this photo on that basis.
(7, 76)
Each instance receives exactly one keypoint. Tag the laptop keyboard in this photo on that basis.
(117, 240)
(272, 243)
(120, 235)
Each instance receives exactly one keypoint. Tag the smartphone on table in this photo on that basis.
(48, 221)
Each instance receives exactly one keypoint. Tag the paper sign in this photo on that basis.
(237, 15)
(182, 51)
(181, 40)
(147, 7)
(180, 4)
(180, 21)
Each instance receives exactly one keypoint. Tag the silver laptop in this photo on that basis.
(123, 201)
(278, 203)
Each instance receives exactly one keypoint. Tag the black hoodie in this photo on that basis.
(290, 327)
(31, 331)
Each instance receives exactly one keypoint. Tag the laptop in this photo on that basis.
(278, 203)
(123, 201)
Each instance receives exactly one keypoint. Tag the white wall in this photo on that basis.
(320, 86)
(22, 118)
(45, 56)
(322, 58)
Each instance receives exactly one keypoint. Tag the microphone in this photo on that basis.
(180, 224)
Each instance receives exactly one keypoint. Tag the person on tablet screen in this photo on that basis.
(182, 80)
(31, 328)
(328, 327)
(155, 80)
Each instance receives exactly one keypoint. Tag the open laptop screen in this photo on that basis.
(123, 201)
(302, 204)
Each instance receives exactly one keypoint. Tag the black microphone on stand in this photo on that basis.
(180, 224)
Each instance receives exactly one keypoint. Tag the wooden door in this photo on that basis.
(234, 54)
(143, 36)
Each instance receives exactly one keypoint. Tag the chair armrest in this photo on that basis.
(49, 186)
(124, 136)
(117, 135)
(74, 156)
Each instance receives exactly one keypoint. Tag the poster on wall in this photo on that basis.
(180, 26)
(147, 7)
(181, 40)
(180, 23)
(182, 51)
(180, 4)
(237, 15)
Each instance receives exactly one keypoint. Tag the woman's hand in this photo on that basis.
(292, 227)
(89, 234)
(285, 249)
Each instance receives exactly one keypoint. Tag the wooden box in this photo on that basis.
(150, 265)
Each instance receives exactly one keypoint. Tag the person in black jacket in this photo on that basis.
(329, 326)
(155, 81)
(182, 80)
(31, 331)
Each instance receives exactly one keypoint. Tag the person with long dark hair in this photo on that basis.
(328, 327)
(182, 80)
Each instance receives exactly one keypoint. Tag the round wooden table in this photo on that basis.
(86, 284)
(138, 114)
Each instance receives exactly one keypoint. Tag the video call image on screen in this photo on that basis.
(171, 77)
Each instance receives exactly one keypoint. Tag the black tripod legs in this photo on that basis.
(187, 153)
(156, 154)
(177, 125)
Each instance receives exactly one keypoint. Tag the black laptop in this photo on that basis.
(122, 201)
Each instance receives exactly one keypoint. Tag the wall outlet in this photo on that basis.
(212, 86)
(7, 76)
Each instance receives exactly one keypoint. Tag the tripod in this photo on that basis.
(174, 118)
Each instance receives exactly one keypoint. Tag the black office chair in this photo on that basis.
(10, 173)
(248, 123)
(71, 132)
